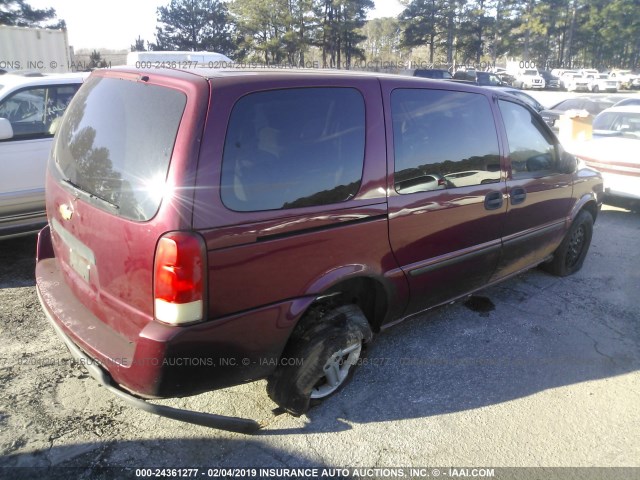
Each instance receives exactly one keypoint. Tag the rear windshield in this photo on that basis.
(116, 141)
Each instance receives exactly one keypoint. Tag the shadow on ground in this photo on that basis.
(544, 333)
(61, 463)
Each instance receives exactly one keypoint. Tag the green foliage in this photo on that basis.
(20, 14)
(138, 45)
(599, 33)
(383, 39)
(96, 61)
(592, 33)
(194, 25)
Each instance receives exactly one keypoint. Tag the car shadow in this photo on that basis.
(544, 333)
(629, 204)
(207, 455)
(18, 257)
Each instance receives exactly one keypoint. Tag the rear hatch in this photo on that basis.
(121, 175)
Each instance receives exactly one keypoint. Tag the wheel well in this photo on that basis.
(592, 208)
(368, 294)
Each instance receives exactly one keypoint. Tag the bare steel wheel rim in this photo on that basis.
(576, 244)
(336, 370)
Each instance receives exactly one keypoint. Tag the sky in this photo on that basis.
(115, 24)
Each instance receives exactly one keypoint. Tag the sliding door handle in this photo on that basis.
(493, 200)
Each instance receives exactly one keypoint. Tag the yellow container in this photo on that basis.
(575, 127)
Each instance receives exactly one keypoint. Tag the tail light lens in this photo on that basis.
(179, 278)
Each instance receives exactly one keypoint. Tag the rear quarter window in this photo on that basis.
(293, 148)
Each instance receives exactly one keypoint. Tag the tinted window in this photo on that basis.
(572, 103)
(443, 140)
(116, 142)
(487, 79)
(293, 148)
(35, 112)
(531, 149)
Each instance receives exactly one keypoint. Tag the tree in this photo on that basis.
(138, 45)
(263, 27)
(96, 61)
(383, 39)
(422, 21)
(194, 25)
(20, 14)
(435, 23)
(339, 37)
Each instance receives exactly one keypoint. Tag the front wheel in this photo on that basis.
(320, 357)
(570, 255)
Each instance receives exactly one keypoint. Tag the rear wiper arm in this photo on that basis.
(93, 196)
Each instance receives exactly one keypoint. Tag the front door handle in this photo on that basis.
(493, 200)
(518, 195)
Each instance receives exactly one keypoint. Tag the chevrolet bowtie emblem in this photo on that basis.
(65, 211)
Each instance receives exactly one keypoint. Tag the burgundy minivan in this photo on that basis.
(209, 228)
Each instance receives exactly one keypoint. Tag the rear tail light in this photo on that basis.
(441, 182)
(179, 278)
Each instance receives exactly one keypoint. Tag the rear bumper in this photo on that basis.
(233, 424)
(166, 361)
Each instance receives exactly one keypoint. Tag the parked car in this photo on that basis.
(618, 121)
(529, 78)
(574, 82)
(30, 110)
(525, 97)
(613, 150)
(485, 79)
(624, 78)
(602, 83)
(505, 77)
(211, 228)
(432, 73)
(593, 105)
(628, 101)
(551, 82)
(589, 72)
(564, 76)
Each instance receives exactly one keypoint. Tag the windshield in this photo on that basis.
(116, 142)
(624, 123)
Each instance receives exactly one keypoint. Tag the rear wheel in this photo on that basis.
(319, 359)
(570, 255)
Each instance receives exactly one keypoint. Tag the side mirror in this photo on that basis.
(6, 130)
(568, 162)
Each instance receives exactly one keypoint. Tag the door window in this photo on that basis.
(442, 140)
(532, 150)
(35, 112)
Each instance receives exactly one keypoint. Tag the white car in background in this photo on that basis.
(624, 78)
(528, 79)
(30, 109)
(602, 83)
(614, 150)
(574, 82)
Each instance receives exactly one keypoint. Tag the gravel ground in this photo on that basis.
(546, 376)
